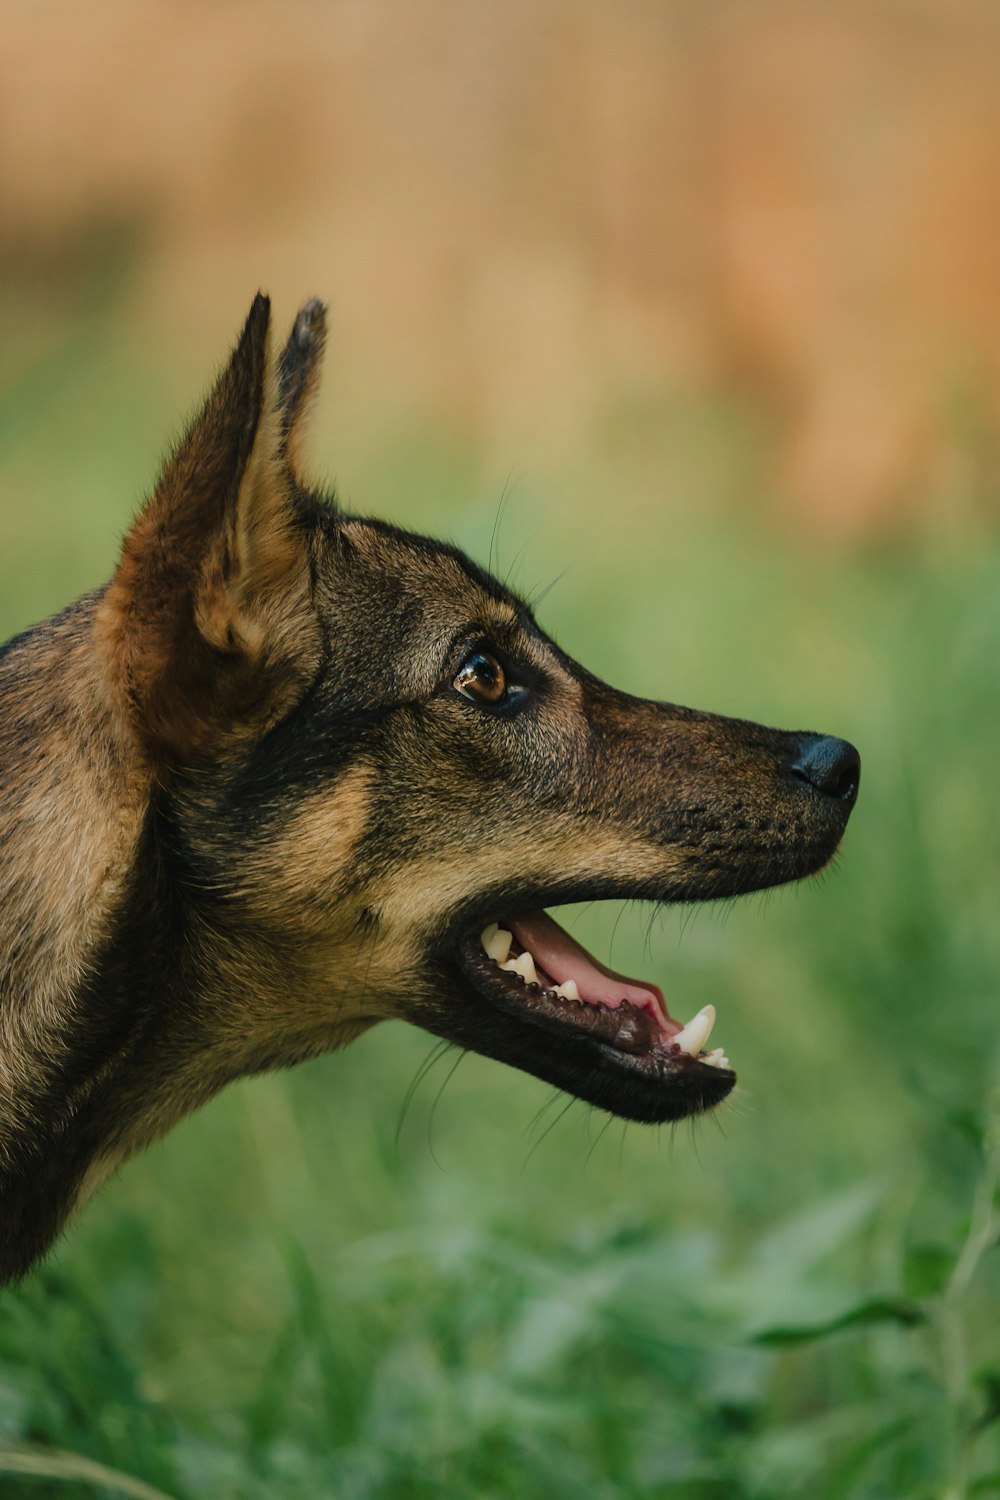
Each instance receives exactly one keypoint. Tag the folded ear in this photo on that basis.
(208, 621)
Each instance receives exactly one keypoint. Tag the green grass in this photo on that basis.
(307, 1292)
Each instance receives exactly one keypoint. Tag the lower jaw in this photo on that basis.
(651, 1083)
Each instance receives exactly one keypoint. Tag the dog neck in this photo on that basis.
(117, 983)
(87, 1025)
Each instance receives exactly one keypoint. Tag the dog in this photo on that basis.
(293, 771)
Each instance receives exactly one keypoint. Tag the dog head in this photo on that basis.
(373, 771)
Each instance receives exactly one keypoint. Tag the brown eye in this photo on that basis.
(481, 678)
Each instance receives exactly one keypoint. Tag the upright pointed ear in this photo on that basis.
(298, 378)
(208, 622)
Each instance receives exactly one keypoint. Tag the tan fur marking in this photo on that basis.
(424, 892)
(301, 876)
(69, 823)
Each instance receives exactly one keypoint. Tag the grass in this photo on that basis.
(310, 1291)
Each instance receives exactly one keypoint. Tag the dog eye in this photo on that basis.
(482, 678)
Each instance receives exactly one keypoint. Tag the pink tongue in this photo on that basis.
(563, 958)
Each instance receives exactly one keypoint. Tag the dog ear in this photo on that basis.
(298, 378)
(209, 619)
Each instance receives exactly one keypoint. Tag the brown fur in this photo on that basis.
(247, 811)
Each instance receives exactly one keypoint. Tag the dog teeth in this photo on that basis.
(691, 1039)
(524, 965)
(496, 942)
(696, 1033)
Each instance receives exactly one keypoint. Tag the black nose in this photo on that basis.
(832, 766)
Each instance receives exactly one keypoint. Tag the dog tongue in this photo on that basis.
(562, 957)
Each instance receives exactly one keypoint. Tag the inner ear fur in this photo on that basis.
(209, 620)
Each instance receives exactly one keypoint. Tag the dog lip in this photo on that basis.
(638, 1034)
(624, 1028)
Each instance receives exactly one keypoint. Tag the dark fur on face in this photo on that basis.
(268, 786)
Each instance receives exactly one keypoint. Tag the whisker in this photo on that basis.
(549, 1129)
(540, 1113)
(609, 1121)
(434, 1056)
(535, 599)
(437, 1100)
(496, 519)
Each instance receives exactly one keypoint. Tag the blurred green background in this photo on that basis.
(398, 1272)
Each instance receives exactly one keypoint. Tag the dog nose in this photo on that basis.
(832, 766)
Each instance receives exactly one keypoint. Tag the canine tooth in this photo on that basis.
(568, 990)
(496, 942)
(695, 1034)
(524, 965)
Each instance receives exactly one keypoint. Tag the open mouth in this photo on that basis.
(532, 969)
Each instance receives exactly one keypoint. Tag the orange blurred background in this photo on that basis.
(517, 209)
